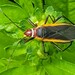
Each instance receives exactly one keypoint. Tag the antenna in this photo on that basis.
(10, 20)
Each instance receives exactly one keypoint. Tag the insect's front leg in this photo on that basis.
(25, 40)
(34, 25)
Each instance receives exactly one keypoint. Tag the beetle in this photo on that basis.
(61, 33)
(55, 32)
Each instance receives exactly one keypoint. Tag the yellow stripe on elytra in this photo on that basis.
(55, 24)
(52, 40)
(51, 24)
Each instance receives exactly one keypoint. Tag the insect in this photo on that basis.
(61, 33)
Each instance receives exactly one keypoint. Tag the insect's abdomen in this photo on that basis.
(63, 32)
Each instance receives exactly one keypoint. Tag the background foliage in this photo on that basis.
(29, 59)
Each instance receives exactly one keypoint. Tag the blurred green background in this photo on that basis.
(29, 59)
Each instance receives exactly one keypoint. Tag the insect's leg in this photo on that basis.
(56, 46)
(50, 18)
(64, 18)
(10, 57)
(53, 18)
(26, 40)
(68, 45)
(60, 49)
(43, 46)
(34, 25)
(10, 20)
(23, 39)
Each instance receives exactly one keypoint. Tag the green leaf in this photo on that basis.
(59, 67)
(21, 70)
(65, 6)
(69, 54)
(26, 5)
(29, 58)
(4, 2)
(5, 41)
(13, 12)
